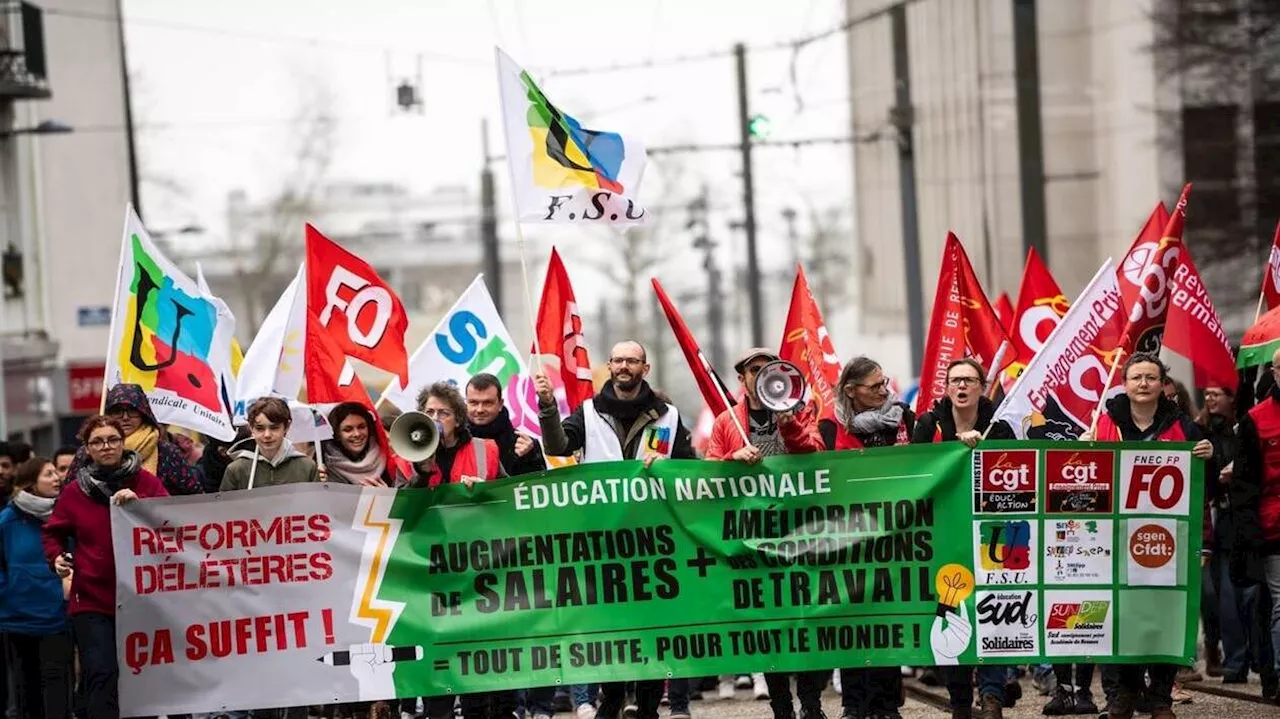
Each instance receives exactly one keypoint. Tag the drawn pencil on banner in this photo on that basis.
(342, 657)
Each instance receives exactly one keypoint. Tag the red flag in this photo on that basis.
(1271, 276)
(1041, 306)
(330, 378)
(356, 307)
(806, 344)
(1194, 330)
(1004, 312)
(1145, 279)
(714, 391)
(963, 324)
(560, 333)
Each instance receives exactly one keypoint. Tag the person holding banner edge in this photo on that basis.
(1144, 414)
(82, 515)
(965, 415)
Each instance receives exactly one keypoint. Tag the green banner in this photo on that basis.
(1016, 553)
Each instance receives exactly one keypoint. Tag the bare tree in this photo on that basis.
(277, 231)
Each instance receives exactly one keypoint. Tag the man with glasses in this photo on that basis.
(769, 434)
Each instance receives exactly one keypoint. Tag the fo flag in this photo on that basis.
(963, 325)
(806, 344)
(355, 306)
(1271, 276)
(714, 392)
(560, 334)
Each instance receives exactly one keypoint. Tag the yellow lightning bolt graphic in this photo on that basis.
(381, 617)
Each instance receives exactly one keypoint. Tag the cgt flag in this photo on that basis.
(356, 306)
(560, 332)
(1041, 306)
(963, 325)
(1194, 330)
(560, 170)
(1270, 296)
(806, 344)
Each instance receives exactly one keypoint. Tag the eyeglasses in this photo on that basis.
(628, 361)
(438, 413)
(963, 381)
(1144, 379)
(882, 384)
(101, 442)
(122, 412)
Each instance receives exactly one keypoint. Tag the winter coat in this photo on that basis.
(627, 418)
(289, 466)
(178, 476)
(800, 435)
(85, 518)
(503, 432)
(939, 423)
(31, 601)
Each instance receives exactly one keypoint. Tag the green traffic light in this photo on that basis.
(759, 126)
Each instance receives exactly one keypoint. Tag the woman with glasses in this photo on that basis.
(128, 405)
(964, 415)
(460, 458)
(114, 474)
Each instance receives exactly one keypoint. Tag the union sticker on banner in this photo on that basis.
(1077, 551)
(1079, 482)
(1155, 482)
(1156, 551)
(1005, 480)
(1005, 551)
(1008, 624)
(1078, 623)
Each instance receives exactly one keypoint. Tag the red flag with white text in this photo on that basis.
(1041, 306)
(1271, 276)
(560, 334)
(963, 324)
(714, 392)
(355, 306)
(806, 344)
(1194, 329)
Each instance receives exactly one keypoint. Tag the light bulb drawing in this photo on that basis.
(954, 584)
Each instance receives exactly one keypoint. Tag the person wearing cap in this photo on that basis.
(771, 434)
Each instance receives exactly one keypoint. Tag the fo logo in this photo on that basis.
(1155, 482)
(1152, 546)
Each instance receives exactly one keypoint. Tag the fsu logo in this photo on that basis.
(1005, 481)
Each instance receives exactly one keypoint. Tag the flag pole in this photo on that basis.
(1262, 293)
(536, 360)
(725, 398)
(1102, 401)
(115, 305)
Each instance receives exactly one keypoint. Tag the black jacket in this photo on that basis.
(942, 417)
(1249, 548)
(626, 417)
(503, 432)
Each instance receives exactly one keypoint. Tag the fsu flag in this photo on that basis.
(1041, 306)
(355, 306)
(963, 325)
(714, 392)
(1271, 277)
(560, 333)
(806, 344)
(1004, 312)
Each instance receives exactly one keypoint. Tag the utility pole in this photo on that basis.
(1026, 70)
(755, 287)
(789, 215)
(715, 304)
(902, 118)
(489, 224)
(134, 194)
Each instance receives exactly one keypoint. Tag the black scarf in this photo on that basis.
(101, 482)
(499, 430)
(625, 410)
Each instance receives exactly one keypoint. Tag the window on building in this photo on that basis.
(1209, 158)
(1266, 165)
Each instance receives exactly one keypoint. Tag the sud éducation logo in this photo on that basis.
(1087, 615)
(1005, 481)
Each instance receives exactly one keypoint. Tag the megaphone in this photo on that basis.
(780, 387)
(414, 436)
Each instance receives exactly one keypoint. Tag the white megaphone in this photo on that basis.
(780, 387)
(414, 436)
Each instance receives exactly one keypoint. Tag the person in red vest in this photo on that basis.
(460, 458)
(1144, 414)
(1254, 490)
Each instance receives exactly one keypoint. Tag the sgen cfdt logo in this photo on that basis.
(1155, 482)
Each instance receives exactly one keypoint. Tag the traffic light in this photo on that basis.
(759, 126)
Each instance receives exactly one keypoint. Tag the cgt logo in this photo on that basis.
(1152, 546)
(1008, 470)
(1155, 482)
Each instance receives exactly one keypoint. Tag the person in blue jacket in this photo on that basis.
(33, 605)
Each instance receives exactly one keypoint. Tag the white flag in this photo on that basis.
(560, 170)
(470, 339)
(1057, 392)
(273, 365)
(170, 337)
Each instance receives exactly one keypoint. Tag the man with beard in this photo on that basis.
(487, 418)
(625, 420)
